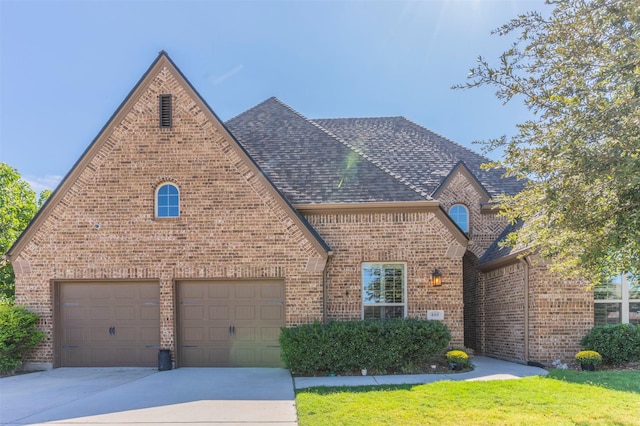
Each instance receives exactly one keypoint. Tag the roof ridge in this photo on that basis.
(359, 152)
(252, 108)
(360, 118)
(446, 138)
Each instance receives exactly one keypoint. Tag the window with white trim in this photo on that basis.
(384, 292)
(167, 201)
(460, 215)
(617, 301)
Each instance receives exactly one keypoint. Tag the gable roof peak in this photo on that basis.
(461, 165)
(161, 61)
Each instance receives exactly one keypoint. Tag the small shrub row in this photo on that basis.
(618, 344)
(18, 334)
(399, 345)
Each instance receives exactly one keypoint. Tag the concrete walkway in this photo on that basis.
(127, 396)
(485, 369)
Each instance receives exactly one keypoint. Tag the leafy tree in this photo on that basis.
(577, 68)
(17, 208)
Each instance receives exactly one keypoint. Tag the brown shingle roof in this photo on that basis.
(419, 155)
(310, 165)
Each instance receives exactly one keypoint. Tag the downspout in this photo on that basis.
(525, 263)
(324, 294)
(325, 286)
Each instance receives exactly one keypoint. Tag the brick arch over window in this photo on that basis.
(167, 200)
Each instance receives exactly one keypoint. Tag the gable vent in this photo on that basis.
(165, 110)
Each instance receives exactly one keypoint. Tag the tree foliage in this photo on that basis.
(18, 205)
(577, 68)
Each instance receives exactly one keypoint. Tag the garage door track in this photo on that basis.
(124, 396)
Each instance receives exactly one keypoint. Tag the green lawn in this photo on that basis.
(534, 400)
(628, 381)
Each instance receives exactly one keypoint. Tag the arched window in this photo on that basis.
(167, 201)
(460, 215)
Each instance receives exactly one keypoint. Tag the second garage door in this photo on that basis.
(230, 323)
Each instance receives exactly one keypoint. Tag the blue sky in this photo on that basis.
(65, 66)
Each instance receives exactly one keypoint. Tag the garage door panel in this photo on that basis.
(193, 335)
(98, 335)
(150, 313)
(101, 356)
(125, 313)
(245, 291)
(126, 334)
(272, 313)
(107, 324)
(272, 291)
(245, 313)
(269, 334)
(192, 312)
(219, 312)
(243, 326)
(221, 291)
(100, 312)
(73, 312)
(245, 356)
(218, 334)
(270, 356)
(100, 292)
(245, 334)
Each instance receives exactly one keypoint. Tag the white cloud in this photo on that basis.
(40, 183)
(217, 80)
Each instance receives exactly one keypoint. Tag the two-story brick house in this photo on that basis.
(176, 230)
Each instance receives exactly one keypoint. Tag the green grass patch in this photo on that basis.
(628, 381)
(533, 400)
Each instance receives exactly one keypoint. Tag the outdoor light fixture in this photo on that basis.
(436, 278)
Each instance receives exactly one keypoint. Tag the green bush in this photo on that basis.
(18, 334)
(349, 346)
(618, 344)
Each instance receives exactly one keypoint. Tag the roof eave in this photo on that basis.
(506, 260)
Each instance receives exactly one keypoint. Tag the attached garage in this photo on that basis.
(230, 323)
(108, 324)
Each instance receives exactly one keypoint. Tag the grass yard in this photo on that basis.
(564, 398)
(628, 381)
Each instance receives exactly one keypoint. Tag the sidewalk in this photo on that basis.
(485, 369)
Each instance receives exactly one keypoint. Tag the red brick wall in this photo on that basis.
(419, 239)
(504, 312)
(560, 314)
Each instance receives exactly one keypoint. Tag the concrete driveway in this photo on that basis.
(124, 396)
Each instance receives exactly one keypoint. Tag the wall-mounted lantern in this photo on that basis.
(436, 278)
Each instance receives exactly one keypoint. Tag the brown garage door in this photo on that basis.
(109, 324)
(230, 323)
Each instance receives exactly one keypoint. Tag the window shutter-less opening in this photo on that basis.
(165, 110)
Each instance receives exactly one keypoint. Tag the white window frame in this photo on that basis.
(160, 186)
(404, 286)
(625, 300)
(466, 209)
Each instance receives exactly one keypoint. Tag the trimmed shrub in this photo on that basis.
(349, 346)
(18, 334)
(618, 344)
